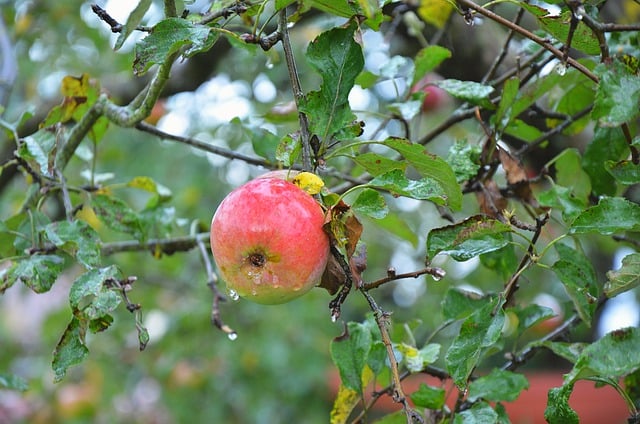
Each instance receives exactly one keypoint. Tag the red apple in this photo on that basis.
(435, 97)
(267, 241)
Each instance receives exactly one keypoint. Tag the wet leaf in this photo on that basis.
(396, 183)
(169, 36)
(117, 215)
(134, 19)
(376, 164)
(608, 144)
(350, 352)
(468, 91)
(13, 382)
(427, 60)
(498, 386)
(474, 236)
(558, 410)
(577, 275)
(479, 413)
(625, 171)
(618, 97)
(38, 272)
(428, 397)
(610, 215)
(478, 332)
(370, 203)
(625, 278)
(337, 57)
(77, 239)
(458, 303)
(71, 349)
(431, 167)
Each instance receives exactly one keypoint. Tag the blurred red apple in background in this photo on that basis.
(435, 97)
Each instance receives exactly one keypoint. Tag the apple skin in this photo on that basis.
(267, 241)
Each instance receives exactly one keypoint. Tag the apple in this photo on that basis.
(435, 97)
(267, 240)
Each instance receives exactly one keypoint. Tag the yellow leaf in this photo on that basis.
(347, 399)
(309, 182)
(88, 215)
(435, 12)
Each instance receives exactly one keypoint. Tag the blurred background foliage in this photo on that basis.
(279, 369)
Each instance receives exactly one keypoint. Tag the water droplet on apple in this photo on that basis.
(438, 274)
(234, 294)
(232, 336)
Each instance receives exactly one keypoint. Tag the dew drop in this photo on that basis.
(269, 64)
(561, 69)
(234, 295)
(232, 336)
(334, 316)
(438, 274)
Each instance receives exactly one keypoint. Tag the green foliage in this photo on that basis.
(520, 183)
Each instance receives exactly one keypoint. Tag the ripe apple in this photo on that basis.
(435, 97)
(267, 240)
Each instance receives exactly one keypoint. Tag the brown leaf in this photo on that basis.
(517, 178)
(343, 228)
(334, 276)
(491, 201)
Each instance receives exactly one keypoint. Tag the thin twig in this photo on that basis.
(166, 245)
(546, 44)
(212, 280)
(298, 95)
(397, 394)
(436, 272)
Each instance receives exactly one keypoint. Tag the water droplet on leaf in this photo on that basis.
(438, 274)
(234, 295)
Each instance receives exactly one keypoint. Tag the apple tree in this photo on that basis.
(476, 165)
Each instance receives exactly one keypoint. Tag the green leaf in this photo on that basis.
(569, 351)
(520, 129)
(607, 144)
(428, 59)
(169, 36)
(428, 397)
(376, 164)
(337, 57)
(151, 186)
(498, 386)
(479, 331)
(38, 272)
(573, 93)
(613, 355)
(618, 97)
(577, 275)
(288, 151)
(569, 173)
(459, 304)
(479, 413)
(417, 359)
(610, 215)
(350, 352)
(564, 200)
(117, 215)
(468, 91)
(558, 410)
(429, 166)
(397, 226)
(625, 171)
(13, 382)
(531, 314)
(625, 278)
(396, 183)
(134, 19)
(558, 26)
(371, 203)
(77, 239)
(39, 150)
(464, 159)
(474, 236)
(503, 261)
(504, 115)
(90, 298)
(71, 349)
